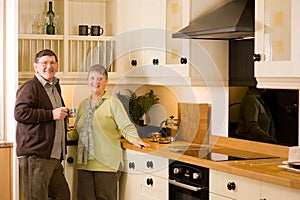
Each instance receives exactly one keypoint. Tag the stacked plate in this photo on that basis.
(293, 166)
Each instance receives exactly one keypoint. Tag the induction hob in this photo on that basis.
(217, 154)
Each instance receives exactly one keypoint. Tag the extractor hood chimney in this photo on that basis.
(234, 20)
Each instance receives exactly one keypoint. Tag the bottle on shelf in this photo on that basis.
(50, 29)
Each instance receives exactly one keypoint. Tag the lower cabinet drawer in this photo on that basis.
(213, 196)
(153, 187)
(232, 186)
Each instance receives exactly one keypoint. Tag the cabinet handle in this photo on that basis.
(149, 164)
(149, 181)
(155, 61)
(183, 60)
(131, 165)
(133, 63)
(256, 57)
(70, 160)
(231, 186)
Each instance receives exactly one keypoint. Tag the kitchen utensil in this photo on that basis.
(96, 30)
(83, 30)
(155, 137)
(167, 126)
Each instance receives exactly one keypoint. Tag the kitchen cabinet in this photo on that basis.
(241, 64)
(6, 173)
(75, 53)
(225, 186)
(145, 176)
(271, 191)
(136, 33)
(70, 168)
(141, 30)
(277, 53)
(228, 186)
(148, 53)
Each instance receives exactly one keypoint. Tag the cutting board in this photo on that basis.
(193, 122)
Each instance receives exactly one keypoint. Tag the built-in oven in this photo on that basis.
(187, 181)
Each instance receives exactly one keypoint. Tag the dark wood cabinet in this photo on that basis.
(241, 64)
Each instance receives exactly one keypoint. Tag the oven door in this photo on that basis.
(181, 191)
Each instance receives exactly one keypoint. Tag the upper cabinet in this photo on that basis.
(145, 47)
(241, 65)
(141, 33)
(277, 53)
(75, 52)
(134, 43)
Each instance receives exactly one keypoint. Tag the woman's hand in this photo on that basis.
(141, 144)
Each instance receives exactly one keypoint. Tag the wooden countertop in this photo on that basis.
(5, 144)
(266, 170)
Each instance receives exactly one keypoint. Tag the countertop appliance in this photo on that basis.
(187, 181)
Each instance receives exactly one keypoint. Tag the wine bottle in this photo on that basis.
(50, 29)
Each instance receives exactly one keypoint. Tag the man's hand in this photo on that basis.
(59, 113)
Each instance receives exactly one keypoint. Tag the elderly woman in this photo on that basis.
(101, 120)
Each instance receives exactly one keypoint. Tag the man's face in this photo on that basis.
(46, 67)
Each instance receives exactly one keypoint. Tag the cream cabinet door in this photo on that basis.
(128, 183)
(233, 186)
(271, 191)
(145, 177)
(153, 187)
(70, 170)
(213, 196)
(277, 53)
(141, 29)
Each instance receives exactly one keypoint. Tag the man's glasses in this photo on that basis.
(46, 63)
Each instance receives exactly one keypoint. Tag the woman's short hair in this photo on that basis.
(100, 69)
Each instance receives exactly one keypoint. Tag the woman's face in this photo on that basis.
(97, 82)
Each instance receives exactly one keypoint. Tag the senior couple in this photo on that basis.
(41, 135)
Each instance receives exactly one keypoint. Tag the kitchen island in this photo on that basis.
(264, 171)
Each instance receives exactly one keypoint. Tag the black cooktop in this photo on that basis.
(208, 153)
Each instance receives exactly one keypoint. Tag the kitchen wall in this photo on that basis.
(204, 51)
(169, 96)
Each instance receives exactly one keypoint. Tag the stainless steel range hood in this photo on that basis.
(234, 20)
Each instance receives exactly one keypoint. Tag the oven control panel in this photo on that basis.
(188, 173)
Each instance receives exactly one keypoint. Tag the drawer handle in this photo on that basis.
(149, 164)
(183, 60)
(133, 63)
(231, 186)
(70, 160)
(256, 57)
(131, 165)
(149, 181)
(155, 61)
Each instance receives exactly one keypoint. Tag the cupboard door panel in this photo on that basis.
(276, 39)
(232, 186)
(277, 192)
(6, 173)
